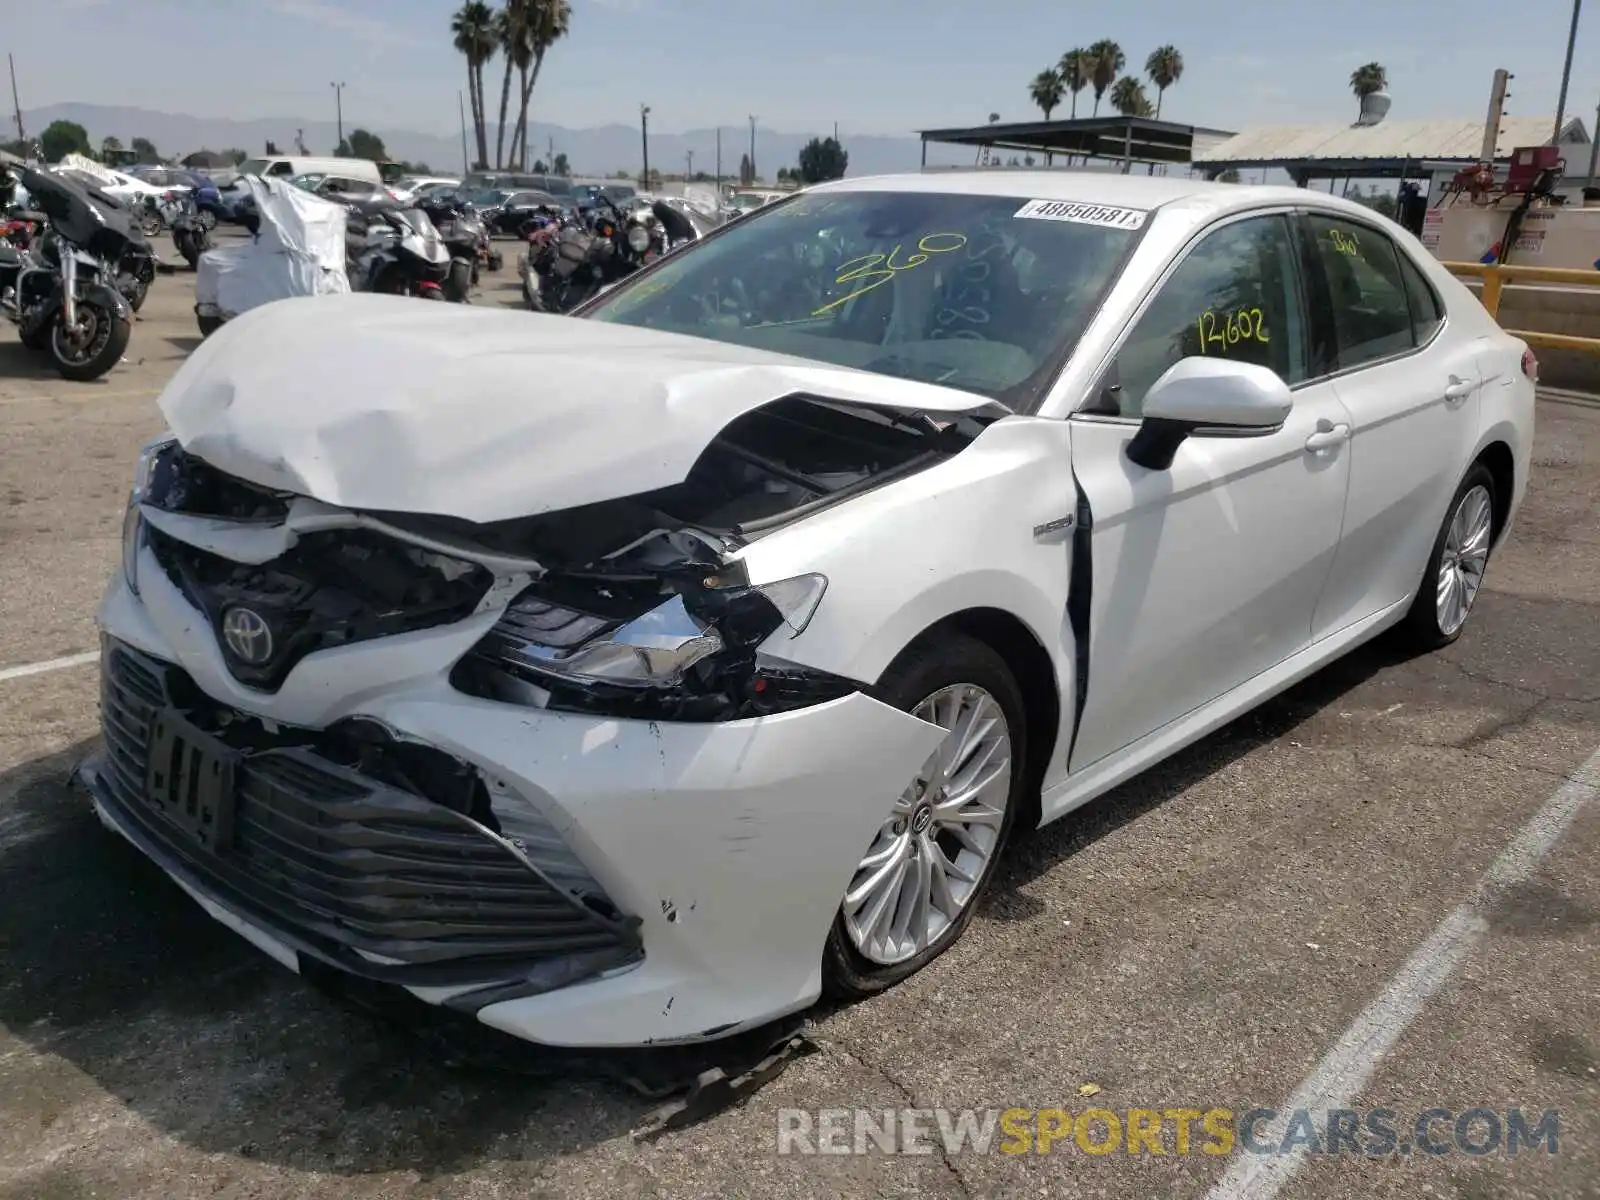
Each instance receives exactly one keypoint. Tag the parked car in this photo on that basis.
(639, 676)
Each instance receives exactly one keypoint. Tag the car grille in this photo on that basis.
(332, 589)
(359, 871)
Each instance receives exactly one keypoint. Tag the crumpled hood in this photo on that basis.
(392, 404)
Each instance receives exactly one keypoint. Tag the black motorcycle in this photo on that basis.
(62, 294)
(466, 237)
(190, 237)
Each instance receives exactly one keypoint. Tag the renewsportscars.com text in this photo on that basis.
(1371, 1133)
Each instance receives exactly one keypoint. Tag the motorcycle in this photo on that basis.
(570, 262)
(467, 239)
(189, 234)
(403, 256)
(59, 298)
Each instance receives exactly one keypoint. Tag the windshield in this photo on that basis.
(984, 293)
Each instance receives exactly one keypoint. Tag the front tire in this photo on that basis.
(86, 358)
(1456, 566)
(927, 868)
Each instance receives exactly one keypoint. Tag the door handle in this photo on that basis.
(1458, 390)
(1327, 437)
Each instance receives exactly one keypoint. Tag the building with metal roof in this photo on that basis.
(1384, 149)
(1126, 140)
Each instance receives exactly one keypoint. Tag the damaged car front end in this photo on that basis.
(552, 770)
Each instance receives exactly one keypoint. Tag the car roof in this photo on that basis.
(1202, 199)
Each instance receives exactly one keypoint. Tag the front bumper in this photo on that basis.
(724, 848)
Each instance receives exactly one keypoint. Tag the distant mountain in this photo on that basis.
(597, 151)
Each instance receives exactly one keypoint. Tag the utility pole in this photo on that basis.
(752, 149)
(550, 149)
(644, 133)
(719, 164)
(15, 103)
(688, 171)
(466, 163)
(1491, 126)
(1594, 147)
(338, 107)
(836, 131)
(1566, 74)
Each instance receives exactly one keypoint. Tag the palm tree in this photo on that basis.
(1128, 97)
(1076, 69)
(511, 35)
(1047, 90)
(548, 22)
(1368, 79)
(1165, 68)
(1106, 61)
(472, 30)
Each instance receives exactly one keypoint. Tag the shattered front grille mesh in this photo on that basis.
(324, 852)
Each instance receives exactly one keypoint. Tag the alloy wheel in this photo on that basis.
(1463, 559)
(925, 864)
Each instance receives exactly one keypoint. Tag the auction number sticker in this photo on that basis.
(1082, 214)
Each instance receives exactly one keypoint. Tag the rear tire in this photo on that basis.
(209, 325)
(1456, 565)
(971, 675)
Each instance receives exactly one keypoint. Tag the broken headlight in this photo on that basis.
(152, 456)
(691, 657)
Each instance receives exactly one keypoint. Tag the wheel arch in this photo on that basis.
(1496, 456)
(1030, 665)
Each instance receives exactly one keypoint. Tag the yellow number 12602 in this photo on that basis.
(1244, 325)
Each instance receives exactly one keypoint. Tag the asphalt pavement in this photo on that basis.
(1317, 896)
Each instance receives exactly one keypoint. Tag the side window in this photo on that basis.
(281, 168)
(1371, 315)
(1235, 296)
(359, 187)
(1427, 314)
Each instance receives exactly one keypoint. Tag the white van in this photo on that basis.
(285, 166)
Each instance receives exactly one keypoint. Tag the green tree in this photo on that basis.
(1367, 79)
(1077, 72)
(747, 172)
(560, 166)
(237, 156)
(62, 138)
(1106, 61)
(539, 168)
(548, 22)
(1046, 90)
(1128, 98)
(361, 144)
(1165, 68)
(472, 33)
(109, 146)
(146, 150)
(822, 159)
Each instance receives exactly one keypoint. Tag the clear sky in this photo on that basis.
(874, 66)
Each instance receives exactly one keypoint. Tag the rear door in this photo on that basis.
(1206, 574)
(1412, 387)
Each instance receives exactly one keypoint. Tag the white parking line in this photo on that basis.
(54, 664)
(1347, 1067)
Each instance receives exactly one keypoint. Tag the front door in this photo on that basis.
(1206, 574)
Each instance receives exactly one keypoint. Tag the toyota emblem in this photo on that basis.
(247, 636)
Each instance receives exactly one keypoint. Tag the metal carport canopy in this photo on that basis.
(1126, 139)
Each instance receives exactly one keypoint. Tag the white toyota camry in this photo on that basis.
(640, 677)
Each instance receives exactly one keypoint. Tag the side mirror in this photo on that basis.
(1207, 394)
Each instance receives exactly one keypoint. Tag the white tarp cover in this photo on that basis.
(299, 251)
